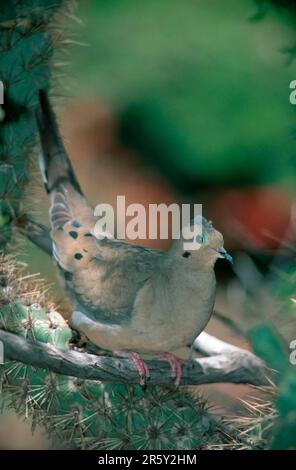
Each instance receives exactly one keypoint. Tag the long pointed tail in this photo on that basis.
(67, 200)
(55, 165)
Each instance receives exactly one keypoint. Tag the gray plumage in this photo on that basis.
(125, 296)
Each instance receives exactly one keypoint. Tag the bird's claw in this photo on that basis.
(140, 365)
(176, 366)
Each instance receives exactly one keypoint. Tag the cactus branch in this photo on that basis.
(232, 364)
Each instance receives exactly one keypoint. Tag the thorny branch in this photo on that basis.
(225, 363)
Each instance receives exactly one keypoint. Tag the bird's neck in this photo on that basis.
(189, 267)
(203, 259)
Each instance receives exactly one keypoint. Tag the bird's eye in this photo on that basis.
(199, 238)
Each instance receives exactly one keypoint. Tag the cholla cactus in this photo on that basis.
(27, 41)
(90, 414)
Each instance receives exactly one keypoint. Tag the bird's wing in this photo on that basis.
(103, 277)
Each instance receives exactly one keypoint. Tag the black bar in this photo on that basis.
(131, 459)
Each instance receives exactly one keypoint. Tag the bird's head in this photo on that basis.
(201, 240)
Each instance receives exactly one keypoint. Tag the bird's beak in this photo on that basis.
(223, 254)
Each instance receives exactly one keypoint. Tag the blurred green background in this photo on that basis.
(201, 90)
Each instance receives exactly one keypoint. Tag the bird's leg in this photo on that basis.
(175, 363)
(140, 365)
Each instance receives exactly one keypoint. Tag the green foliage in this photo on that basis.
(273, 348)
(285, 429)
(279, 4)
(26, 47)
(212, 107)
(268, 345)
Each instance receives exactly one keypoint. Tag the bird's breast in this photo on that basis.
(173, 315)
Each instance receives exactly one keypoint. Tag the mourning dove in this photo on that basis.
(127, 299)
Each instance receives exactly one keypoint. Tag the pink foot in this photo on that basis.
(176, 365)
(140, 365)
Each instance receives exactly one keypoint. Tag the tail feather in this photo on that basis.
(55, 165)
(60, 213)
(67, 200)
